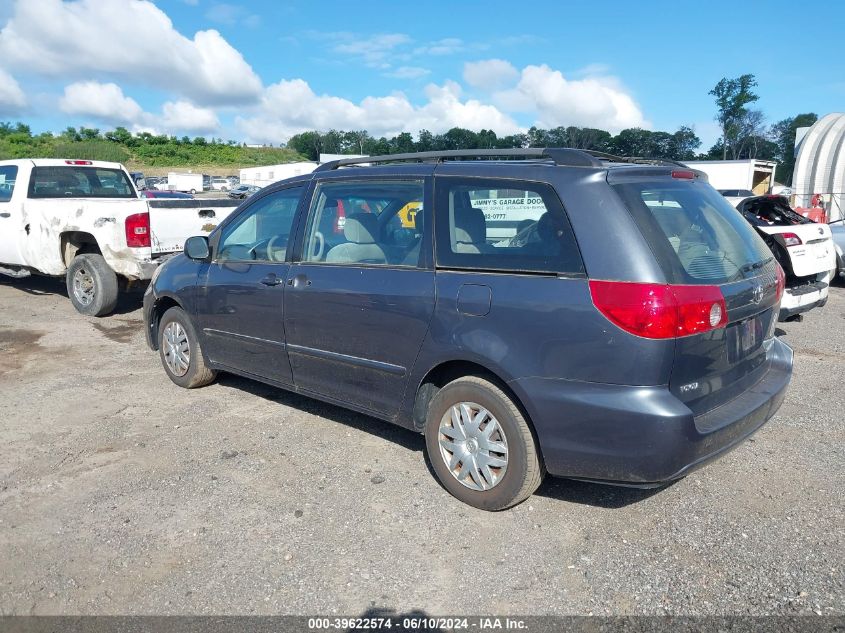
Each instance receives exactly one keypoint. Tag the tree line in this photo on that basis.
(679, 145)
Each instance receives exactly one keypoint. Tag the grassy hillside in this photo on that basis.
(144, 152)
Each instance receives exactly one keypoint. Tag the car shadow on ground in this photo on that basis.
(572, 491)
(128, 300)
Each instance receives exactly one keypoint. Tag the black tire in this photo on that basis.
(91, 285)
(197, 373)
(193, 191)
(524, 471)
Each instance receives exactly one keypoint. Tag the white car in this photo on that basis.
(220, 184)
(804, 249)
(735, 196)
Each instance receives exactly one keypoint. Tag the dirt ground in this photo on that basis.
(122, 494)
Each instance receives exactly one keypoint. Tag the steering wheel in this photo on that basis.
(319, 254)
(277, 256)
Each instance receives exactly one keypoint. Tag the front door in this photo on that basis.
(9, 217)
(359, 303)
(240, 305)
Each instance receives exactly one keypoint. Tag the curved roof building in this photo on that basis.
(820, 167)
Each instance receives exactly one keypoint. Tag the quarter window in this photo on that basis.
(503, 225)
(373, 223)
(263, 232)
(8, 176)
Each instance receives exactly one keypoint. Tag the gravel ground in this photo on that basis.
(123, 494)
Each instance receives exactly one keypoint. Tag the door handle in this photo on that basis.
(271, 280)
(5, 214)
(299, 281)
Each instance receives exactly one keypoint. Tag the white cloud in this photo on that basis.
(408, 72)
(490, 74)
(186, 117)
(12, 98)
(102, 101)
(230, 14)
(107, 103)
(290, 107)
(130, 39)
(593, 101)
(374, 50)
(446, 46)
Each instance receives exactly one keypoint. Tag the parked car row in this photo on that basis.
(484, 304)
(243, 191)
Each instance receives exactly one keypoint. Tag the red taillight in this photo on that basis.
(683, 174)
(781, 283)
(138, 230)
(790, 239)
(660, 310)
(78, 162)
(340, 218)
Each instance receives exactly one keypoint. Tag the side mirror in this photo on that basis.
(197, 247)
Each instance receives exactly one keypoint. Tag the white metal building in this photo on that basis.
(820, 166)
(268, 174)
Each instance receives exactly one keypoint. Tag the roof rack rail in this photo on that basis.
(559, 156)
(640, 160)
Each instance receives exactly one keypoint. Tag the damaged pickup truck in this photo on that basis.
(803, 248)
(84, 220)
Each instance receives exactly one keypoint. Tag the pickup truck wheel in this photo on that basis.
(480, 445)
(180, 351)
(91, 285)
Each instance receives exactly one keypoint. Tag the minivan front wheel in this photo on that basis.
(481, 446)
(180, 351)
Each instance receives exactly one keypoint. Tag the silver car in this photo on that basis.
(837, 229)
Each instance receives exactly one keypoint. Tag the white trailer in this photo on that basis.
(185, 182)
(268, 174)
(754, 175)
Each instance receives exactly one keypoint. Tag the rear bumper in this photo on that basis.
(801, 299)
(644, 436)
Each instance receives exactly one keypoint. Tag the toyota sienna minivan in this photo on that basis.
(541, 311)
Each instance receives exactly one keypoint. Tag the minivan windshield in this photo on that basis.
(697, 236)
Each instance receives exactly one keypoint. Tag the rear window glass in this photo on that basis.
(695, 233)
(8, 176)
(79, 182)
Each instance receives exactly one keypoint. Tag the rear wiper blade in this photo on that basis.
(749, 267)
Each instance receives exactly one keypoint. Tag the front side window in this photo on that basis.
(8, 176)
(263, 232)
(70, 181)
(372, 222)
(503, 225)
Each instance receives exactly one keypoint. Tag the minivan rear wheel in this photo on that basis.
(180, 352)
(480, 445)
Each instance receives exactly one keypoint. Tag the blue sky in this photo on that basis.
(263, 70)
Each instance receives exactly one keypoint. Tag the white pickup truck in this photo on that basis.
(804, 249)
(83, 219)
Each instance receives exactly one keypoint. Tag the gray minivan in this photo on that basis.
(529, 311)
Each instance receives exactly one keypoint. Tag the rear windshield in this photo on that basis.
(696, 234)
(79, 182)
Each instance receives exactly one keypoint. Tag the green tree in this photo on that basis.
(732, 97)
(782, 134)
